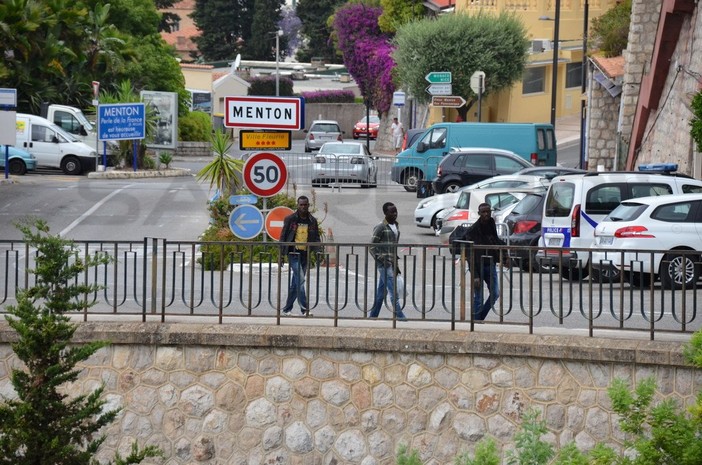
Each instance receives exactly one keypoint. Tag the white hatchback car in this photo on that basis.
(428, 210)
(670, 225)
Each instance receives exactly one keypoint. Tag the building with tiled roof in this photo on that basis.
(182, 36)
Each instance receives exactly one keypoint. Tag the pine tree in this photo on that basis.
(45, 425)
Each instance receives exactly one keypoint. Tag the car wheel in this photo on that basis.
(410, 180)
(71, 165)
(640, 280)
(451, 187)
(573, 273)
(17, 167)
(307, 149)
(677, 269)
(606, 274)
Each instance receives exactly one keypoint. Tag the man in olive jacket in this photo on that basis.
(386, 235)
(299, 228)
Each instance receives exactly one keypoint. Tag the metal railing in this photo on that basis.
(160, 280)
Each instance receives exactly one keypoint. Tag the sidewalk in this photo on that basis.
(567, 130)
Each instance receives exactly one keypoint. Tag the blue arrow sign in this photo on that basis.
(438, 77)
(246, 221)
(247, 199)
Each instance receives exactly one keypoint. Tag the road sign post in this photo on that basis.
(274, 221)
(265, 112)
(448, 101)
(264, 174)
(246, 221)
(439, 77)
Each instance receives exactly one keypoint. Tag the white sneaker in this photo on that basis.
(288, 313)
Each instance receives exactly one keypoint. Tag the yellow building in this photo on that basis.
(530, 99)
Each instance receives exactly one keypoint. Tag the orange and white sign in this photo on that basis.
(274, 221)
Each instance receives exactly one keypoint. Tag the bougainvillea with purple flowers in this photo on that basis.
(367, 52)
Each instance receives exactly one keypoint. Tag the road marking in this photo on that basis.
(91, 211)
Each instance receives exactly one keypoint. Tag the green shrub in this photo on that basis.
(196, 126)
(266, 86)
(165, 158)
(696, 122)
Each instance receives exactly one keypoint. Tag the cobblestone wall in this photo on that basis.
(238, 395)
(667, 135)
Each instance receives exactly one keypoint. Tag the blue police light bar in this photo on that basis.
(659, 167)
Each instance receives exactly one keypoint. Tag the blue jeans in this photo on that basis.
(386, 284)
(298, 267)
(489, 277)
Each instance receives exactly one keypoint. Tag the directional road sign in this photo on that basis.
(247, 199)
(122, 121)
(264, 112)
(438, 77)
(246, 221)
(274, 221)
(450, 101)
(440, 89)
(264, 174)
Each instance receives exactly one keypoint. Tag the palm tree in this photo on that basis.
(224, 172)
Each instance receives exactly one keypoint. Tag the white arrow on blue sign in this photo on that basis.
(246, 221)
(247, 199)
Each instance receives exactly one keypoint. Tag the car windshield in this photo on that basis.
(527, 204)
(347, 149)
(627, 211)
(463, 200)
(373, 120)
(325, 127)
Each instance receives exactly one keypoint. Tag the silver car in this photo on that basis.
(320, 132)
(344, 162)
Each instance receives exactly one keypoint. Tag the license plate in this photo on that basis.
(554, 241)
(606, 240)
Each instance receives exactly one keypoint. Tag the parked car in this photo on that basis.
(19, 161)
(466, 211)
(576, 203)
(346, 162)
(411, 136)
(524, 226)
(322, 131)
(464, 166)
(361, 129)
(550, 172)
(671, 224)
(428, 209)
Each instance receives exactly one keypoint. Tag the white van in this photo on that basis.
(575, 204)
(52, 146)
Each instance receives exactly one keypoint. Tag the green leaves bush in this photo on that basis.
(195, 126)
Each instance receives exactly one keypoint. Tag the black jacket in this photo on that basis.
(484, 234)
(290, 227)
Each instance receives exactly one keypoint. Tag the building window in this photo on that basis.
(534, 80)
(574, 74)
(176, 26)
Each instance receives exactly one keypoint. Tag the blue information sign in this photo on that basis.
(122, 121)
(246, 221)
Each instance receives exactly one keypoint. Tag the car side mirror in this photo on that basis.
(421, 147)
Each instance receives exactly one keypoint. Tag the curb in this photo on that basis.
(123, 174)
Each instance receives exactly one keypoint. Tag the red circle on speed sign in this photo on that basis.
(264, 174)
(274, 221)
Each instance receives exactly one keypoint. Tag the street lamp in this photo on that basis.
(554, 76)
(583, 88)
(278, 35)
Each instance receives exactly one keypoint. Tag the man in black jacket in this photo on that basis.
(485, 259)
(299, 228)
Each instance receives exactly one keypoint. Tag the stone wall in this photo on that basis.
(667, 135)
(237, 394)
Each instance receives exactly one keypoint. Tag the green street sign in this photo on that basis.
(438, 77)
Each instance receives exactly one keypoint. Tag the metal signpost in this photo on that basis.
(8, 123)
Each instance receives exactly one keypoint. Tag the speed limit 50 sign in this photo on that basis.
(264, 174)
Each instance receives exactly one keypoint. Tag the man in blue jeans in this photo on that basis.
(386, 235)
(299, 228)
(484, 263)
